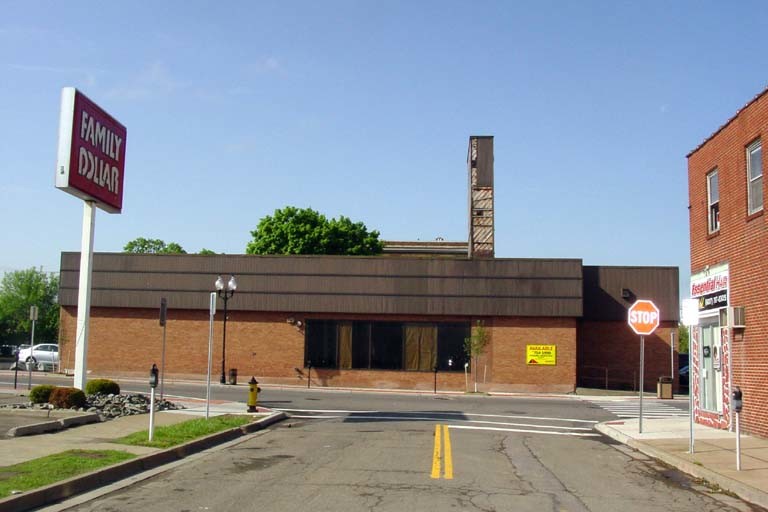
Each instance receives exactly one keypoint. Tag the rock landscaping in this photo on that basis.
(110, 406)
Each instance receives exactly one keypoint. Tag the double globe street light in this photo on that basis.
(225, 291)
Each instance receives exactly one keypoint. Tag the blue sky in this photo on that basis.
(364, 109)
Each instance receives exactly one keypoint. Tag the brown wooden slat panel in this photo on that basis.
(437, 286)
(603, 285)
(336, 284)
(295, 304)
(326, 265)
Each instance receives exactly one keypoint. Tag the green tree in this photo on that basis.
(18, 291)
(475, 345)
(206, 252)
(683, 339)
(304, 231)
(152, 246)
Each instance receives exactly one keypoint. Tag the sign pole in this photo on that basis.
(84, 295)
(690, 386)
(163, 319)
(672, 355)
(642, 368)
(210, 356)
(738, 444)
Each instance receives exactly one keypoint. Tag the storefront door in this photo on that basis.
(711, 366)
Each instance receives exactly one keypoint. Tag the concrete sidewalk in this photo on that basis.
(713, 458)
(100, 436)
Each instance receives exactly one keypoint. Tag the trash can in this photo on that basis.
(233, 376)
(664, 388)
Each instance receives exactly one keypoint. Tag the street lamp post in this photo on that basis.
(225, 291)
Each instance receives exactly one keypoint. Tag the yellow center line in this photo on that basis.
(448, 456)
(436, 454)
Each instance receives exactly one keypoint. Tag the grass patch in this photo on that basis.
(53, 468)
(171, 435)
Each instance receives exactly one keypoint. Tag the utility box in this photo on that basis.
(233, 376)
(664, 388)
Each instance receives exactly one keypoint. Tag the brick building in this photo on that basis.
(729, 263)
(379, 322)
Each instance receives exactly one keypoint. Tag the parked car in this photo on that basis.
(46, 353)
(683, 372)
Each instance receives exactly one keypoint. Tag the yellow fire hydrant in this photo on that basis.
(253, 394)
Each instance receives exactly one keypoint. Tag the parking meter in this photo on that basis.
(154, 374)
(737, 401)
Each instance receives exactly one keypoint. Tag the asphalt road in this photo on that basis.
(344, 451)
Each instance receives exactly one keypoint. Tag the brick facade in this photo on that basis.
(126, 341)
(613, 348)
(742, 243)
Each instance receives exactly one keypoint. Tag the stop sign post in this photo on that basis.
(643, 317)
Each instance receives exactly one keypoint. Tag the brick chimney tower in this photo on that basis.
(480, 166)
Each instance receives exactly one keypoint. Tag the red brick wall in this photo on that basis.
(127, 341)
(615, 347)
(509, 371)
(742, 242)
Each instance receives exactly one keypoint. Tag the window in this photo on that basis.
(754, 177)
(385, 345)
(713, 195)
(320, 348)
(450, 345)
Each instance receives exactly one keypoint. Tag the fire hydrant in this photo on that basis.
(253, 394)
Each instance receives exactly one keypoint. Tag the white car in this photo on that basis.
(46, 353)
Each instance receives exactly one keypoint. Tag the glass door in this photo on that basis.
(710, 369)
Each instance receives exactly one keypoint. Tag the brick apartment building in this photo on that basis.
(729, 263)
(379, 322)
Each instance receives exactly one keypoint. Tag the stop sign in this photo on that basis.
(643, 317)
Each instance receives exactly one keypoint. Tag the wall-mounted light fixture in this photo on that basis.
(627, 294)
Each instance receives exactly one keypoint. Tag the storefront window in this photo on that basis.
(386, 345)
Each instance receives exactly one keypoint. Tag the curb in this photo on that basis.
(53, 425)
(64, 489)
(742, 490)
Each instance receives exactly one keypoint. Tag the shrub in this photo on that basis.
(66, 398)
(40, 394)
(103, 386)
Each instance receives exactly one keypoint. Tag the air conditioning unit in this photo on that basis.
(737, 317)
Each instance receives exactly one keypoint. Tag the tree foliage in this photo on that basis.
(475, 345)
(683, 339)
(305, 231)
(206, 252)
(18, 291)
(153, 246)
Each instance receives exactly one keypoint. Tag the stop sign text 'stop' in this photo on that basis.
(643, 317)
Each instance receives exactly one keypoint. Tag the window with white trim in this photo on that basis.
(713, 200)
(754, 177)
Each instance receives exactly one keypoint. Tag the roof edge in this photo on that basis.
(732, 119)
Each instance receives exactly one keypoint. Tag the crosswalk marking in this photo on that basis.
(460, 420)
(630, 408)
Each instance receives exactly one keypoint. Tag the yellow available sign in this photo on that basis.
(541, 354)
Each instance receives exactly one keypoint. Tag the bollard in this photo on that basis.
(253, 394)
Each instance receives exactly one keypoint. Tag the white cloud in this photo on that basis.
(154, 80)
(267, 65)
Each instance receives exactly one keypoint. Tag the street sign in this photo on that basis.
(643, 317)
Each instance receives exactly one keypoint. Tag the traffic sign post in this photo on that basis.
(643, 317)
